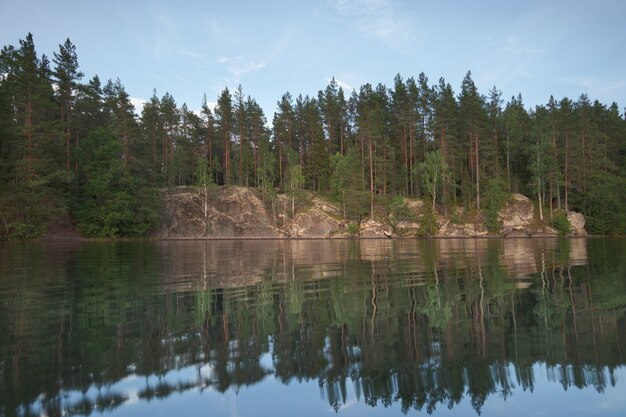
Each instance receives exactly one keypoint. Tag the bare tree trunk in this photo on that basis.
(477, 170)
(443, 160)
(508, 160)
(371, 180)
(566, 170)
(280, 162)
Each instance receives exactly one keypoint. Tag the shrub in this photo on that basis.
(494, 196)
(492, 221)
(428, 222)
(560, 222)
(400, 210)
(24, 231)
(354, 229)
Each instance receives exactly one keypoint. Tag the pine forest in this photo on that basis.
(74, 149)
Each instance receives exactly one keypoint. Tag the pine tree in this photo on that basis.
(224, 122)
(152, 126)
(319, 166)
(121, 115)
(541, 164)
(473, 117)
(566, 130)
(209, 129)
(67, 77)
(170, 119)
(256, 134)
(516, 127)
(492, 151)
(284, 132)
(400, 127)
(445, 126)
(37, 183)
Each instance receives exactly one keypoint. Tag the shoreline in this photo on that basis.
(268, 238)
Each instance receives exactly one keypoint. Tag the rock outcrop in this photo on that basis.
(373, 228)
(231, 212)
(449, 229)
(577, 223)
(315, 223)
(517, 216)
(239, 212)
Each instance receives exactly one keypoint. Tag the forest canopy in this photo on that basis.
(75, 150)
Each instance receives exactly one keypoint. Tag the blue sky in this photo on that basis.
(188, 48)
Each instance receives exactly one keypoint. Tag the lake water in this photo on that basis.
(311, 328)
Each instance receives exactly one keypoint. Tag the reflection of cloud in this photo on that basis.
(344, 406)
(612, 400)
(378, 19)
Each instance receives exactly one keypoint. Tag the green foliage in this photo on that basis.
(560, 222)
(113, 203)
(202, 175)
(25, 231)
(414, 139)
(347, 185)
(428, 222)
(456, 219)
(434, 174)
(266, 173)
(295, 186)
(604, 205)
(492, 222)
(399, 209)
(354, 229)
(494, 197)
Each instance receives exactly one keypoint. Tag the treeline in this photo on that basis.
(78, 151)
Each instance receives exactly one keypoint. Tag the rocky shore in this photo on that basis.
(239, 212)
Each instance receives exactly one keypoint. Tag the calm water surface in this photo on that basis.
(312, 328)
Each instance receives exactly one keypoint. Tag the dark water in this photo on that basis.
(310, 328)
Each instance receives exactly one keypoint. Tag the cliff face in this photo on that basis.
(230, 212)
(238, 212)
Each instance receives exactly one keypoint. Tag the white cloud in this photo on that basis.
(594, 87)
(226, 59)
(378, 19)
(342, 84)
(514, 46)
(246, 67)
(138, 103)
(238, 66)
(192, 54)
(509, 61)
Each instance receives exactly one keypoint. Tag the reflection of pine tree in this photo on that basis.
(401, 327)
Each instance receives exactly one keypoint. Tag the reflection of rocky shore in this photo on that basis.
(190, 264)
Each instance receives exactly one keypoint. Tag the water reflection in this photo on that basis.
(420, 323)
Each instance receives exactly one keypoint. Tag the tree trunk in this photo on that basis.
(443, 160)
(371, 180)
(280, 163)
(508, 160)
(477, 170)
(411, 188)
(566, 170)
(226, 157)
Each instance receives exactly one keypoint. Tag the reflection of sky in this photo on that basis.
(272, 398)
